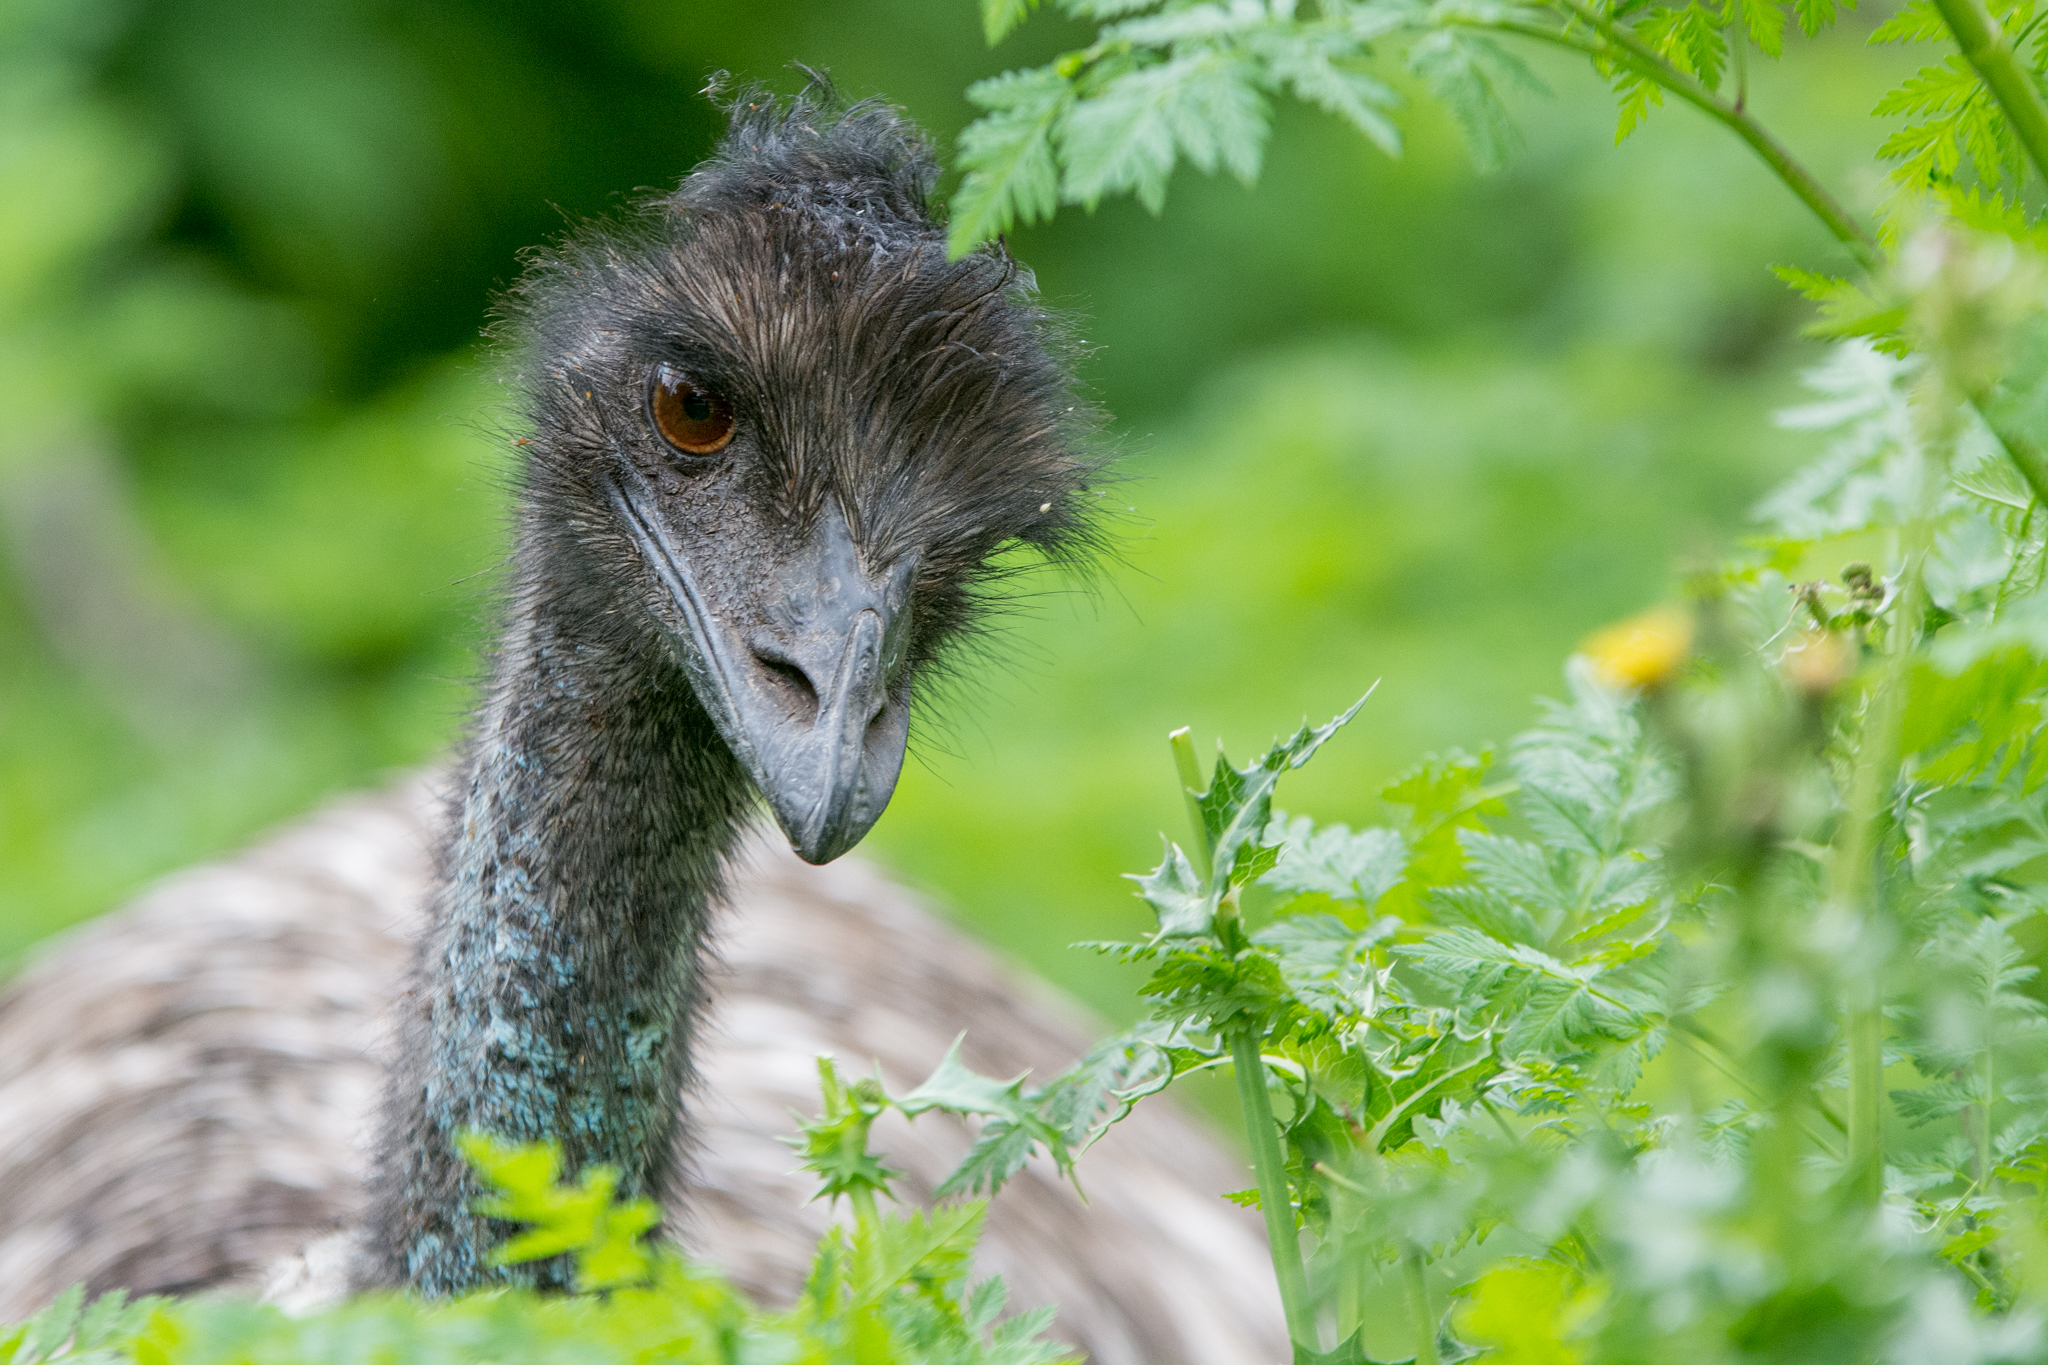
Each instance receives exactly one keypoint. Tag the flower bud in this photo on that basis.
(1818, 661)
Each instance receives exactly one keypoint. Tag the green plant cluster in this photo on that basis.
(1714, 1032)
(1192, 80)
(1704, 1024)
(889, 1291)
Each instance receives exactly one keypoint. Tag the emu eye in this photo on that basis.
(696, 421)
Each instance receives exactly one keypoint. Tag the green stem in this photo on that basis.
(1269, 1166)
(1640, 57)
(1865, 1025)
(1853, 883)
(1702, 1045)
(1853, 889)
(1976, 1277)
(1419, 1309)
(863, 1200)
(1988, 51)
(1191, 788)
(1983, 1134)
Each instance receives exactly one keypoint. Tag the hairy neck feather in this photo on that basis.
(554, 993)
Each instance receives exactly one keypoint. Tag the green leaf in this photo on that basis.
(1007, 155)
(956, 1089)
(1184, 903)
(1463, 69)
(1847, 309)
(1488, 911)
(1205, 106)
(1105, 9)
(1321, 959)
(1938, 1101)
(1237, 807)
(44, 1333)
(1526, 1311)
(834, 1146)
(1562, 1016)
(1815, 15)
(1637, 96)
(1335, 862)
(1964, 121)
(1189, 28)
(999, 18)
(1764, 21)
(1932, 90)
(1444, 795)
(1915, 22)
(998, 1153)
(1314, 76)
(1689, 37)
(586, 1219)
(925, 1252)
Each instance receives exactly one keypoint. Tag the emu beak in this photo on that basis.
(796, 659)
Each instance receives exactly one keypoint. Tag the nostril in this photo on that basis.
(789, 678)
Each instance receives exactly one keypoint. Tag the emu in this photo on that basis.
(776, 445)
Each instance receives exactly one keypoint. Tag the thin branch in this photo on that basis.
(1990, 53)
(1624, 45)
(1276, 1201)
(1709, 1051)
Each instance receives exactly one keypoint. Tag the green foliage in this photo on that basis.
(1172, 80)
(1814, 853)
(1636, 1053)
(1965, 145)
(893, 1289)
(73, 1332)
(834, 1145)
(584, 1219)
(1190, 82)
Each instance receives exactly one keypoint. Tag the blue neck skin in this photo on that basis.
(555, 990)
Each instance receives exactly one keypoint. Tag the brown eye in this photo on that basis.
(689, 418)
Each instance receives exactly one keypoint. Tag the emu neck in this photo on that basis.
(555, 990)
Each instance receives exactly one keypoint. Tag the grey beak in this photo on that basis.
(796, 660)
(816, 703)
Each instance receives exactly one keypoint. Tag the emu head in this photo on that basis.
(791, 439)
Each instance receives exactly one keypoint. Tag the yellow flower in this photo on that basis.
(1644, 651)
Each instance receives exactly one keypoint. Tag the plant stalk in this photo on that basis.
(1865, 1026)
(865, 1214)
(1643, 59)
(1269, 1167)
(1269, 1163)
(1191, 788)
(1419, 1308)
(1989, 53)
(1854, 884)
(1853, 889)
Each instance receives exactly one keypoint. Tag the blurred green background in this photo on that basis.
(1383, 419)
